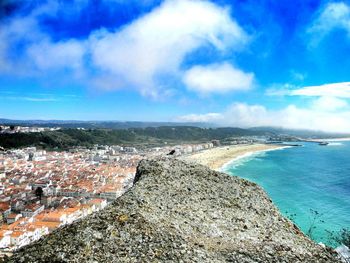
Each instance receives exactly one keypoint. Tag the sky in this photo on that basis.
(242, 63)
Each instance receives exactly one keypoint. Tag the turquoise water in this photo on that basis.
(309, 184)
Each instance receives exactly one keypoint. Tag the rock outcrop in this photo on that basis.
(181, 212)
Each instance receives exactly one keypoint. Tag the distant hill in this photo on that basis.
(98, 124)
(71, 124)
(141, 137)
(299, 133)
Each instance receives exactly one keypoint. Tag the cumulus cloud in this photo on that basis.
(336, 119)
(334, 15)
(328, 110)
(157, 43)
(217, 78)
(60, 55)
(139, 55)
(329, 104)
(26, 50)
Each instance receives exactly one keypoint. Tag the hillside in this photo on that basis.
(151, 136)
(98, 124)
(181, 212)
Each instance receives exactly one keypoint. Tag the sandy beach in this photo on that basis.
(217, 157)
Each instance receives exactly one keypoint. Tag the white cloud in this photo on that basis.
(292, 117)
(68, 54)
(340, 90)
(335, 90)
(244, 115)
(329, 104)
(23, 30)
(156, 44)
(208, 117)
(141, 55)
(26, 50)
(218, 78)
(334, 15)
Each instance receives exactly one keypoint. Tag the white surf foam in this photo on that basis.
(334, 144)
(239, 160)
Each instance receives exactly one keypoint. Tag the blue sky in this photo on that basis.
(234, 63)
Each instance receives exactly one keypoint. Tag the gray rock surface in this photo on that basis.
(181, 212)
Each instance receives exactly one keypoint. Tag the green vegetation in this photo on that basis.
(187, 133)
(315, 220)
(335, 238)
(152, 136)
(67, 138)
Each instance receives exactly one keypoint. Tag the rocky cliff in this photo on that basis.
(181, 212)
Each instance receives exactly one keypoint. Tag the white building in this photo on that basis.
(32, 210)
(5, 239)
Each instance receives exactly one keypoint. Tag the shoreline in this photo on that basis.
(336, 139)
(249, 154)
(220, 157)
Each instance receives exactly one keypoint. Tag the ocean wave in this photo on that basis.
(244, 158)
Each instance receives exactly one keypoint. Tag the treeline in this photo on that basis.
(67, 138)
(193, 133)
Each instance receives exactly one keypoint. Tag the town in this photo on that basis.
(41, 191)
(22, 129)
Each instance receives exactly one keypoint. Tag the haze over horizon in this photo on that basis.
(232, 63)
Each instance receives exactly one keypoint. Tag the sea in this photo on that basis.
(309, 184)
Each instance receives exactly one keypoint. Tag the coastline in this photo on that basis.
(220, 157)
(336, 139)
(249, 154)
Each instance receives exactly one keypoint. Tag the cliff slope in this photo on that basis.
(181, 212)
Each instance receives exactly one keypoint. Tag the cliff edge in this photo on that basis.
(181, 212)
